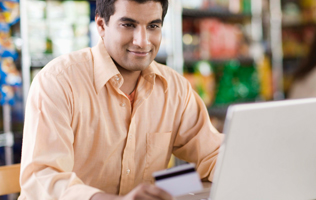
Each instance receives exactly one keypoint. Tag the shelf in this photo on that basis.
(41, 60)
(298, 26)
(243, 61)
(293, 58)
(291, 63)
(214, 12)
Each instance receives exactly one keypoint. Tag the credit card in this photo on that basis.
(179, 180)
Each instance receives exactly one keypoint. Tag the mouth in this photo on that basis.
(139, 53)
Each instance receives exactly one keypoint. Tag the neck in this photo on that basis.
(130, 80)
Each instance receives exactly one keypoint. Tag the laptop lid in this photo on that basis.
(269, 152)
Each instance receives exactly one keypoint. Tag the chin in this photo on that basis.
(140, 67)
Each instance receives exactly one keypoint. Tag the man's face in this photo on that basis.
(133, 34)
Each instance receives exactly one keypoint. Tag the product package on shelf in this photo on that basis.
(236, 83)
(11, 11)
(296, 41)
(291, 13)
(224, 83)
(232, 6)
(191, 39)
(202, 80)
(58, 27)
(265, 78)
(212, 39)
(308, 10)
(197, 4)
(299, 12)
(299, 26)
(223, 46)
(10, 77)
(219, 40)
(37, 30)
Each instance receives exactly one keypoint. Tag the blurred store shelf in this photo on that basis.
(242, 60)
(41, 60)
(298, 25)
(214, 12)
(293, 58)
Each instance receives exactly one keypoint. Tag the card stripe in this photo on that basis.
(160, 177)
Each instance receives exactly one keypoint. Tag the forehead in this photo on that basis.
(148, 11)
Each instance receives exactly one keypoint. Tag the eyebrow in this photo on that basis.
(157, 21)
(127, 19)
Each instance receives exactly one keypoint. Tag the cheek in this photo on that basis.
(119, 38)
(123, 36)
(156, 40)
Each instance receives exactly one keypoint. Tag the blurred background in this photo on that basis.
(232, 51)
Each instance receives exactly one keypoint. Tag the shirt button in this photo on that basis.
(128, 171)
(130, 137)
(123, 104)
(117, 78)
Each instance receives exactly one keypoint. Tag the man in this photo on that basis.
(100, 121)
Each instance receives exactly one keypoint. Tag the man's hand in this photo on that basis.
(141, 192)
(146, 191)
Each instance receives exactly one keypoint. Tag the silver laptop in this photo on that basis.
(269, 152)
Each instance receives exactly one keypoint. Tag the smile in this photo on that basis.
(139, 53)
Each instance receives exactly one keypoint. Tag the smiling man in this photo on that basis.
(101, 120)
(132, 37)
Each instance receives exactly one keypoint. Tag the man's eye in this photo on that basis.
(128, 25)
(153, 26)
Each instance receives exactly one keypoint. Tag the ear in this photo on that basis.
(100, 25)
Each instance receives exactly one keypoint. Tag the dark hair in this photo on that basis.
(308, 63)
(105, 8)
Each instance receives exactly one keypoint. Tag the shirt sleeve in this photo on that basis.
(47, 152)
(197, 140)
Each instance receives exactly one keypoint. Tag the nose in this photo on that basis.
(141, 37)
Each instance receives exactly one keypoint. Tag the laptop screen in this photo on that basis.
(269, 152)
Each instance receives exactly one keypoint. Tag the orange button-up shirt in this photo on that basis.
(81, 137)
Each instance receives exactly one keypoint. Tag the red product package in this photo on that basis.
(219, 40)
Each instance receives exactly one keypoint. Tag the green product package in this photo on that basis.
(235, 83)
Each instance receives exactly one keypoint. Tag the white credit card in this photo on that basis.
(179, 180)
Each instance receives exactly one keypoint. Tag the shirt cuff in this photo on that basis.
(80, 191)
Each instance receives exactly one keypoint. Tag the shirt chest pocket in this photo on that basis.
(158, 152)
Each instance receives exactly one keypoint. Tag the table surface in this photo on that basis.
(204, 194)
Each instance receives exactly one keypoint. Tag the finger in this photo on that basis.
(158, 192)
(145, 196)
(140, 193)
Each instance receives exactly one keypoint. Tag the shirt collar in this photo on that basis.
(105, 69)
(150, 73)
